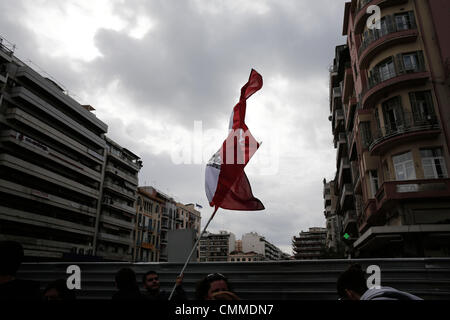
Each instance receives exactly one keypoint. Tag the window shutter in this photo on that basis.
(421, 59)
(415, 111)
(377, 118)
(390, 24)
(429, 106)
(400, 112)
(412, 20)
(443, 167)
(399, 65)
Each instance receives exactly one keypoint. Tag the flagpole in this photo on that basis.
(193, 249)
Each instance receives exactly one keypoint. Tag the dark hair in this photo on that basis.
(201, 291)
(144, 277)
(126, 279)
(352, 279)
(11, 256)
(63, 292)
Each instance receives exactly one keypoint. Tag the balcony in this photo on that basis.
(25, 95)
(118, 156)
(344, 165)
(115, 239)
(32, 76)
(123, 192)
(340, 144)
(382, 85)
(376, 41)
(18, 139)
(408, 190)
(346, 199)
(114, 221)
(362, 15)
(412, 189)
(350, 221)
(411, 128)
(118, 172)
(46, 176)
(119, 206)
(21, 117)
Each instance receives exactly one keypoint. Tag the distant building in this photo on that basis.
(217, 246)
(334, 221)
(257, 243)
(310, 244)
(239, 256)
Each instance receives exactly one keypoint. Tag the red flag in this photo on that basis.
(226, 183)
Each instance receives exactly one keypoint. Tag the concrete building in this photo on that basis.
(166, 208)
(389, 97)
(254, 242)
(55, 168)
(216, 246)
(239, 256)
(148, 226)
(334, 221)
(310, 244)
(187, 217)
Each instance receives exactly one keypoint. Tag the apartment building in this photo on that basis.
(389, 97)
(54, 158)
(252, 241)
(187, 217)
(334, 220)
(148, 226)
(166, 208)
(239, 256)
(216, 246)
(310, 244)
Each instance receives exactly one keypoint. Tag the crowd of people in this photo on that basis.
(351, 284)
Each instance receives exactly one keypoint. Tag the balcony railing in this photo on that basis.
(378, 77)
(410, 123)
(373, 35)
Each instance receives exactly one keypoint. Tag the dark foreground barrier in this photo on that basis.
(428, 278)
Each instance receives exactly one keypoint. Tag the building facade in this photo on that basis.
(239, 256)
(310, 244)
(334, 220)
(389, 94)
(148, 226)
(253, 242)
(216, 246)
(53, 162)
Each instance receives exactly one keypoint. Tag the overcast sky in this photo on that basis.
(165, 75)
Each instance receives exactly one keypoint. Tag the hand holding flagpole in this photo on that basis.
(192, 252)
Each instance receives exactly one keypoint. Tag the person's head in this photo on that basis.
(126, 279)
(212, 283)
(224, 295)
(57, 290)
(151, 281)
(352, 284)
(11, 256)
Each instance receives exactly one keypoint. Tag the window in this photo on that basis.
(422, 107)
(410, 61)
(433, 163)
(405, 21)
(404, 167)
(373, 174)
(393, 115)
(386, 70)
(366, 134)
(402, 21)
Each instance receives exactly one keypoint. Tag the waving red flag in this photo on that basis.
(226, 183)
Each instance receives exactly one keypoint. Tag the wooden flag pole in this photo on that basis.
(192, 251)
